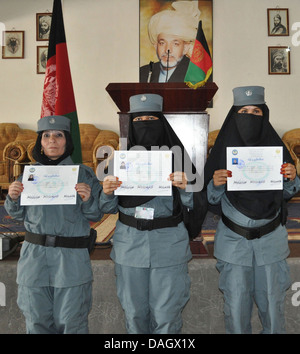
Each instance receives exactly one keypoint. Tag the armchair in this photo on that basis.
(212, 136)
(13, 146)
(292, 142)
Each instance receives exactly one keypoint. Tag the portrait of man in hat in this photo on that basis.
(167, 34)
(279, 61)
(278, 22)
(43, 26)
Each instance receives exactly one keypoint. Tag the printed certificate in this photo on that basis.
(143, 173)
(254, 168)
(49, 185)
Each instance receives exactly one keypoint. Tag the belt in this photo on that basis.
(151, 224)
(57, 241)
(252, 233)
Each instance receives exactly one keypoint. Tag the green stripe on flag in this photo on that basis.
(194, 74)
(75, 133)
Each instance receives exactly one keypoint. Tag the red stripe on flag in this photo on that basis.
(49, 92)
(65, 100)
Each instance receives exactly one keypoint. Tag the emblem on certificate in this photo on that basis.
(49, 185)
(143, 173)
(254, 168)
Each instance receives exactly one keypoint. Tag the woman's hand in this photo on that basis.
(110, 184)
(288, 170)
(178, 179)
(15, 190)
(84, 190)
(220, 177)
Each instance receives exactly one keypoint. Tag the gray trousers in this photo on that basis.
(49, 310)
(242, 285)
(153, 298)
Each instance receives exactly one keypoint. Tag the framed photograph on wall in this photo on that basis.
(279, 60)
(168, 31)
(13, 47)
(278, 22)
(41, 59)
(43, 25)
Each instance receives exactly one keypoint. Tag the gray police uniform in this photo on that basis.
(151, 263)
(63, 275)
(253, 268)
(55, 283)
(248, 267)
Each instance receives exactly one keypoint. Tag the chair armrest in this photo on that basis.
(104, 145)
(104, 152)
(293, 148)
(16, 150)
(29, 151)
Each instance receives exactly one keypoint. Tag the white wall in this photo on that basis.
(103, 45)
(241, 58)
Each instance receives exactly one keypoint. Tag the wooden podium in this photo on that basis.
(178, 97)
(184, 108)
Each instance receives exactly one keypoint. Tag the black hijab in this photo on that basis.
(40, 157)
(241, 129)
(160, 133)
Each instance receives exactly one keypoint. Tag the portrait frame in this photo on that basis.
(42, 34)
(41, 59)
(283, 65)
(149, 8)
(282, 28)
(13, 47)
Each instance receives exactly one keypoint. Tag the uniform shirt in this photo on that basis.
(58, 267)
(156, 248)
(236, 249)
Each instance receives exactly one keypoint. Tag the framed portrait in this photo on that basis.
(279, 60)
(13, 45)
(41, 59)
(278, 22)
(43, 25)
(168, 31)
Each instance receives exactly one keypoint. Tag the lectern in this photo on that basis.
(184, 108)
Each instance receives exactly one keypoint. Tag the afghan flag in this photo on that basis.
(200, 66)
(58, 95)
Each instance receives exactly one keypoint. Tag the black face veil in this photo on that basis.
(159, 133)
(152, 133)
(247, 130)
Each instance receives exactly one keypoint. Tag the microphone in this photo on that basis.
(168, 64)
(150, 71)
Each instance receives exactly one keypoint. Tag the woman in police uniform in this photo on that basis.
(151, 263)
(251, 240)
(54, 273)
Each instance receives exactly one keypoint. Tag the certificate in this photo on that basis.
(254, 168)
(143, 173)
(49, 185)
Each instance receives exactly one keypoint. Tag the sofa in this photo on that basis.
(16, 146)
(292, 141)
(212, 136)
(14, 142)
